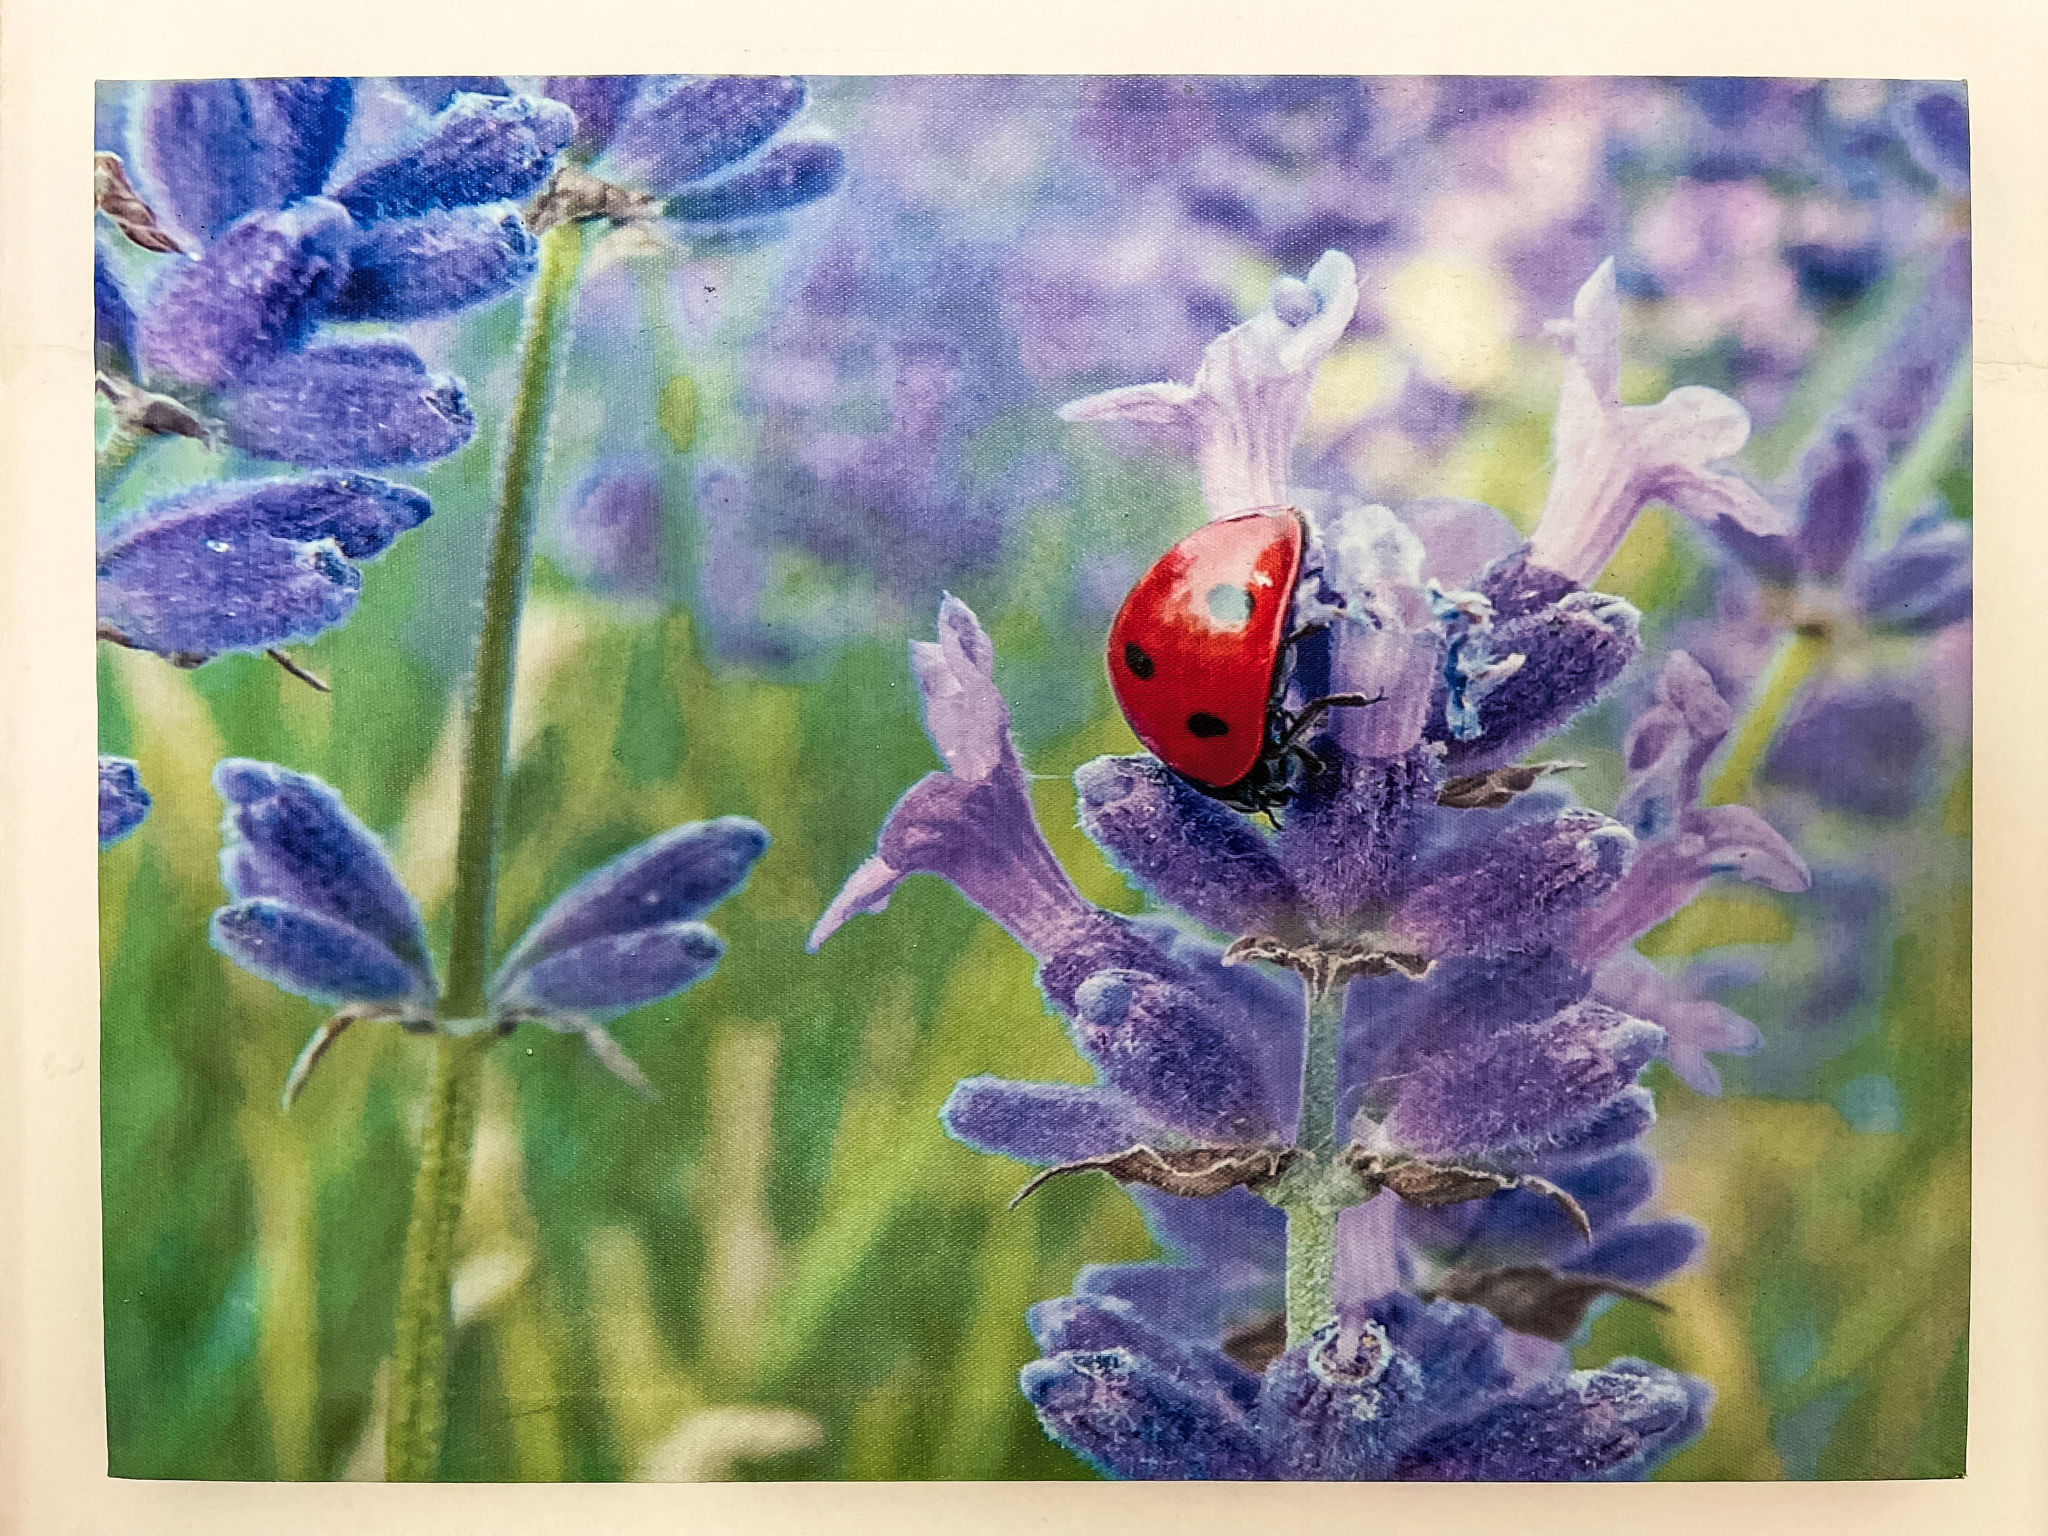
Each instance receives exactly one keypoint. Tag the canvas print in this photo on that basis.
(1046, 777)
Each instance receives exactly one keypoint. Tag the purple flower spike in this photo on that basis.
(1181, 845)
(790, 175)
(210, 151)
(370, 403)
(481, 149)
(124, 803)
(1613, 460)
(246, 565)
(1249, 398)
(318, 908)
(256, 294)
(652, 896)
(681, 129)
(1393, 1388)
(1604, 1425)
(411, 269)
(113, 321)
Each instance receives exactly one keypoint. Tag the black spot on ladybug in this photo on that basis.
(1138, 660)
(1230, 605)
(1205, 725)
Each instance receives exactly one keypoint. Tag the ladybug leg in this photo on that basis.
(1313, 711)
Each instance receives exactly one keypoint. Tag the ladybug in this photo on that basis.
(1198, 659)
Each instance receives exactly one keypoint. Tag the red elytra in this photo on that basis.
(1193, 650)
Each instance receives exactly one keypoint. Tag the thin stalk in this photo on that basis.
(1312, 1213)
(1790, 665)
(413, 1442)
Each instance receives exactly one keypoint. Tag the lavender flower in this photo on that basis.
(1466, 908)
(316, 908)
(1396, 1390)
(251, 175)
(701, 150)
(124, 803)
(1859, 739)
(246, 565)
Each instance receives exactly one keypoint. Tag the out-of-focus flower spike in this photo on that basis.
(371, 404)
(793, 173)
(1923, 582)
(1613, 460)
(435, 264)
(124, 803)
(1905, 386)
(257, 293)
(1935, 123)
(682, 128)
(1693, 1026)
(209, 151)
(1249, 398)
(1840, 479)
(480, 149)
(246, 565)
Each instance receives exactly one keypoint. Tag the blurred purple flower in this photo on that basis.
(316, 908)
(705, 147)
(124, 803)
(609, 527)
(285, 232)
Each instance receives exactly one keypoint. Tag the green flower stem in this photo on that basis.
(412, 1443)
(1315, 1199)
(1798, 653)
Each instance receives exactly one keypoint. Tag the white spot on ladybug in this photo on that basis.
(1229, 604)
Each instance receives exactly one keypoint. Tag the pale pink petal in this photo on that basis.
(1249, 398)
